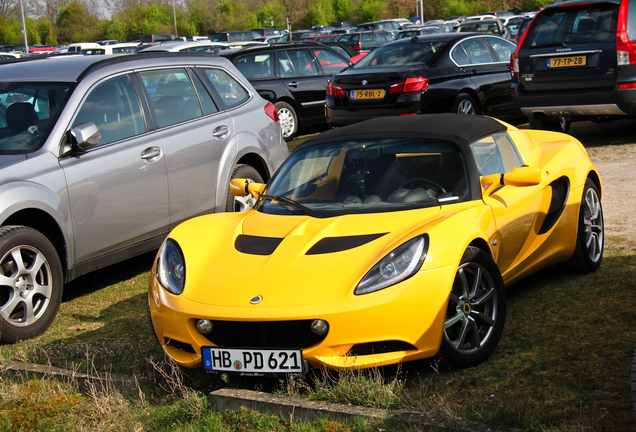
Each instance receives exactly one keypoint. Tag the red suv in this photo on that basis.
(577, 61)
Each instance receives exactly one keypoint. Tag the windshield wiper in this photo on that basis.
(291, 202)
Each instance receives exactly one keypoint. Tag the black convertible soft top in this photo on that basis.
(459, 128)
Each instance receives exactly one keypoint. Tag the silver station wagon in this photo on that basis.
(100, 156)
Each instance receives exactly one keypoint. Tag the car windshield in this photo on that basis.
(367, 176)
(582, 24)
(407, 54)
(27, 114)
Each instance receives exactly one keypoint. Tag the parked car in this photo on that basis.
(387, 241)
(367, 40)
(76, 48)
(418, 31)
(577, 61)
(489, 26)
(385, 25)
(152, 38)
(232, 36)
(205, 46)
(448, 72)
(101, 156)
(293, 76)
(109, 49)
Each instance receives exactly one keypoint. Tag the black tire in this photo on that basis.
(235, 204)
(590, 237)
(288, 119)
(29, 304)
(465, 104)
(476, 311)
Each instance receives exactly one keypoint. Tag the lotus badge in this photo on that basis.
(256, 299)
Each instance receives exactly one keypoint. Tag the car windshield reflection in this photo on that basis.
(368, 176)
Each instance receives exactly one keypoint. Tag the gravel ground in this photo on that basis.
(617, 166)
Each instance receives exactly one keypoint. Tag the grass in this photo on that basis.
(563, 364)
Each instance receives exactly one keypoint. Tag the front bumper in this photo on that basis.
(400, 323)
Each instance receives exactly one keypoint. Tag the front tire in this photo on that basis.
(476, 311)
(239, 204)
(288, 119)
(32, 283)
(588, 252)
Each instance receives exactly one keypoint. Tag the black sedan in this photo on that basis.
(451, 72)
(293, 77)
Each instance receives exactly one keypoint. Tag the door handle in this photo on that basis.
(221, 132)
(151, 153)
(293, 84)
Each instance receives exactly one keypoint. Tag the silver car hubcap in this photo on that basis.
(472, 309)
(593, 222)
(286, 120)
(466, 107)
(26, 285)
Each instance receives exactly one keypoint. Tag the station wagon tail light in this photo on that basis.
(271, 112)
(625, 47)
(410, 85)
(357, 46)
(335, 91)
(627, 86)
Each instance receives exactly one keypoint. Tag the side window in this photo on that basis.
(502, 48)
(209, 107)
(330, 62)
(256, 66)
(114, 107)
(476, 50)
(302, 62)
(174, 98)
(229, 89)
(495, 154)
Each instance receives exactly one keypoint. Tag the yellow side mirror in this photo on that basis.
(523, 176)
(242, 187)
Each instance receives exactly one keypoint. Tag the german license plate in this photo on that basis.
(367, 94)
(567, 61)
(252, 361)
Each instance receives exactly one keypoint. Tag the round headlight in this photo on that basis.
(171, 267)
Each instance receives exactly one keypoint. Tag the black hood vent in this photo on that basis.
(256, 245)
(339, 244)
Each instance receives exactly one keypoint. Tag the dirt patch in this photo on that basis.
(616, 165)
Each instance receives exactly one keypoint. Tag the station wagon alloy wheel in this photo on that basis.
(30, 285)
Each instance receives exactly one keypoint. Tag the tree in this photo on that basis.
(271, 14)
(76, 24)
(342, 10)
(319, 13)
(233, 15)
(370, 10)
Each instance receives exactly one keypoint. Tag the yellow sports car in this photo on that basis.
(382, 242)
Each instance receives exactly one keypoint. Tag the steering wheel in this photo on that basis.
(438, 188)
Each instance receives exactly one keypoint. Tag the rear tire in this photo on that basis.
(588, 252)
(239, 204)
(465, 104)
(288, 119)
(31, 291)
(476, 311)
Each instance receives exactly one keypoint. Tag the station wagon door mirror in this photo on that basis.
(84, 136)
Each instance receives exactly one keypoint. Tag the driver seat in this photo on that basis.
(20, 116)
